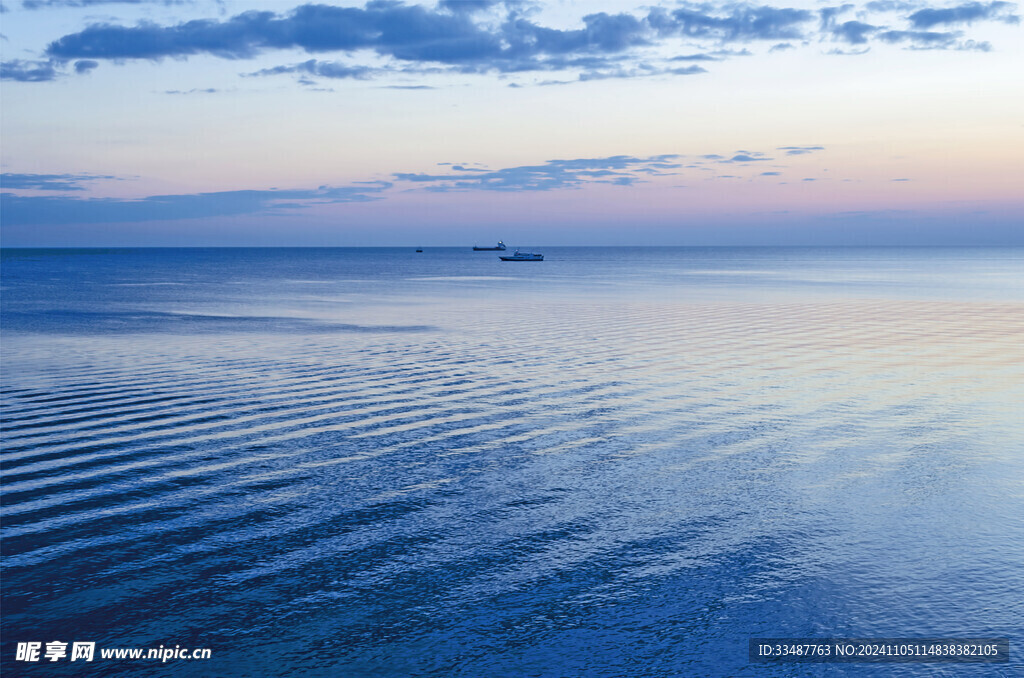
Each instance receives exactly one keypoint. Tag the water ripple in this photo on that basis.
(653, 475)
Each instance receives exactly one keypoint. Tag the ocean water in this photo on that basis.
(616, 462)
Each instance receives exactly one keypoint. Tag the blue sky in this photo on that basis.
(390, 123)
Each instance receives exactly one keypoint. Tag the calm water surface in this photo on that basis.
(617, 462)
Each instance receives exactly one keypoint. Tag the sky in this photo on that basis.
(459, 122)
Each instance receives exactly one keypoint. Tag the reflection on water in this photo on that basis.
(443, 464)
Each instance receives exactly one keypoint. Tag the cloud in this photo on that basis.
(393, 29)
(695, 57)
(746, 156)
(488, 36)
(468, 5)
(58, 4)
(410, 34)
(621, 170)
(972, 11)
(48, 182)
(925, 39)
(323, 69)
(853, 32)
(829, 16)
(194, 90)
(644, 70)
(849, 52)
(738, 23)
(27, 71)
(891, 6)
(19, 209)
(800, 150)
(45, 210)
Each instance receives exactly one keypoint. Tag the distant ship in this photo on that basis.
(500, 247)
(523, 256)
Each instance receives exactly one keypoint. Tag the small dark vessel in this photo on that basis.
(419, 249)
(500, 247)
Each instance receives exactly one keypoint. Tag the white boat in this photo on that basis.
(523, 256)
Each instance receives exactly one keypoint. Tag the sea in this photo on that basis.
(615, 462)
